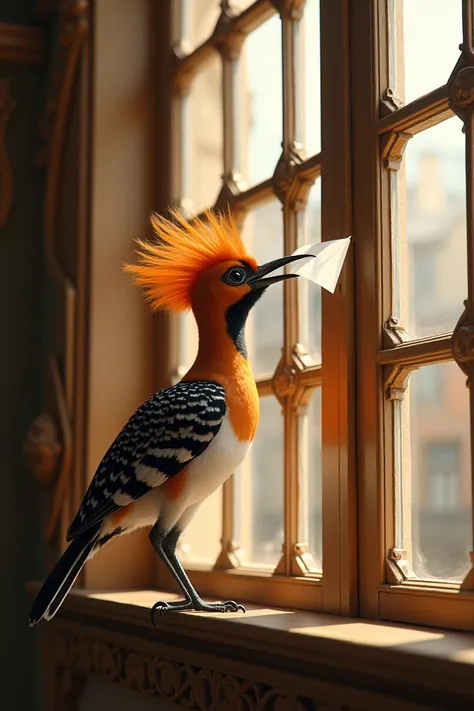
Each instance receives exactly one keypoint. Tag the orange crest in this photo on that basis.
(169, 269)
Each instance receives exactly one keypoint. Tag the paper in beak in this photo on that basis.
(324, 262)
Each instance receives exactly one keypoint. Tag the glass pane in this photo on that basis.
(201, 540)
(430, 252)
(434, 494)
(312, 76)
(260, 104)
(263, 236)
(310, 472)
(259, 490)
(309, 293)
(202, 127)
(425, 38)
(199, 19)
(241, 5)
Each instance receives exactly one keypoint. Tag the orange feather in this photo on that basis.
(169, 268)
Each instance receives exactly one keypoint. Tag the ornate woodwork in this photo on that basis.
(42, 448)
(255, 663)
(463, 344)
(24, 46)
(73, 30)
(204, 688)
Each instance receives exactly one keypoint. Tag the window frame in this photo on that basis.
(293, 583)
(385, 359)
(363, 572)
(358, 355)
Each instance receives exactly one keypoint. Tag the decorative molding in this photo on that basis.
(390, 102)
(290, 182)
(461, 89)
(171, 680)
(229, 43)
(394, 144)
(302, 561)
(7, 104)
(394, 333)
(291, 9)
(463, 344)
(269, 656)
(42, 448)
(396, 380)
(22, 45)
(66, 449)
(228, 193)
(284, 381)
(397, 567)
(73, 30)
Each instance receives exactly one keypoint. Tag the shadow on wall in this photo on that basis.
(98, 693)
(21, 319)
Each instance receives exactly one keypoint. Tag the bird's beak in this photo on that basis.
(257, 281)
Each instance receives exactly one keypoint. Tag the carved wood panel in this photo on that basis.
(181, 670)
(49, 445)
(200, 688)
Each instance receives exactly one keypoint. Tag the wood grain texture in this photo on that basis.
(7, 104)
(267, 659)
(25, 46)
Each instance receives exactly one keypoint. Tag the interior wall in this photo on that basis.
(21, 286)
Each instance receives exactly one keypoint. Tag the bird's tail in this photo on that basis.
(62, 577)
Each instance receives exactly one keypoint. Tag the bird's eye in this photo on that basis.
(236, 275)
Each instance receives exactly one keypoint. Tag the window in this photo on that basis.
(428, 387)
(246, 133)
(441, 464)
(411, 222)
(356, 497)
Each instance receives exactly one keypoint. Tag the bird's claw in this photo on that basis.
(232, 606)
(161, 606)
(195, 605)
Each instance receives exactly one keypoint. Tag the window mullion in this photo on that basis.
(283, 175)
(338, 465)
(229, 51)
(460, 89)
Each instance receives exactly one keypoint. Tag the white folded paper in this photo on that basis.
(324, 262)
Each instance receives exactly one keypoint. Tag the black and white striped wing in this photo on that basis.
(164, 434)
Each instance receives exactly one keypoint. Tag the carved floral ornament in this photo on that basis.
(42, 448)
(462, 344)
(174, 681)
(49, 452)
(461, 87)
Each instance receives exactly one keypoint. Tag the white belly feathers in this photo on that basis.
(204, 475)
(215, 465)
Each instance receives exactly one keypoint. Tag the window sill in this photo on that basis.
(407, 666)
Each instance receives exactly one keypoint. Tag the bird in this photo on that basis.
(183, 442)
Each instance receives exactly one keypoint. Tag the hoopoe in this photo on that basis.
(183, 442)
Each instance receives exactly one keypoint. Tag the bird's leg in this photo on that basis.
(157, 538)
(165, 546)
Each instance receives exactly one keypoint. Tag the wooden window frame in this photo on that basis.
(385, 358)
(294, 581)
(363, 131)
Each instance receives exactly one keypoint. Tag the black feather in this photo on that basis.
(198, 405)
(62, 577)
(236, 317)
